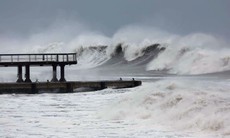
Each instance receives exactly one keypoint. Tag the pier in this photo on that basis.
(47, 59)
(55, 85)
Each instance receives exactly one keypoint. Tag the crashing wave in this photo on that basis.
(192, 54)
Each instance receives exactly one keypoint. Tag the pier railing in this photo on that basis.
(47, 57)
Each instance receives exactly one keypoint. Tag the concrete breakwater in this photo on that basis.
(63, 87)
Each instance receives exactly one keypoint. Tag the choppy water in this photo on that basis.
(74, 115)
(61, 115)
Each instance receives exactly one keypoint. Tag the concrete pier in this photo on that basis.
(29, 60)
(62, 87)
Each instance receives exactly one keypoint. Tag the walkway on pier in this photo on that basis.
(47, 59)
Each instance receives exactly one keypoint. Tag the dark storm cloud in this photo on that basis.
(180, 16)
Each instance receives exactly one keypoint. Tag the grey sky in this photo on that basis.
(23, 17)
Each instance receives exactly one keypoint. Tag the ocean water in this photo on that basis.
(185, 90)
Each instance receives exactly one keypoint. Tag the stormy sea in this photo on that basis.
(184, 92)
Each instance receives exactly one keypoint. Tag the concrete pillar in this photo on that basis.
(62, 79)
(54, 79)
(20, 74)
(28, 74)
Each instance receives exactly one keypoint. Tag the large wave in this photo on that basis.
(148, 47)
(193, 54)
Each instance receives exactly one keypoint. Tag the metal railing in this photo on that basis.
(47, 57)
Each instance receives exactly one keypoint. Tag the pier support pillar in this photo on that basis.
(54, 79)
(20, 74)
(28, 74)
(62, 79)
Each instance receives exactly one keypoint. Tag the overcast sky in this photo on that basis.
(23, 17)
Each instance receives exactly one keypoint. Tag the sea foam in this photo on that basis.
(182, 104)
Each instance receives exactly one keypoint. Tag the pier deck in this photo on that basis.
(46, 59)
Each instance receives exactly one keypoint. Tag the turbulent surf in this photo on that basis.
(185, 79)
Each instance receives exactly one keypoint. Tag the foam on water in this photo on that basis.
(182, 104)
(70, 115)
